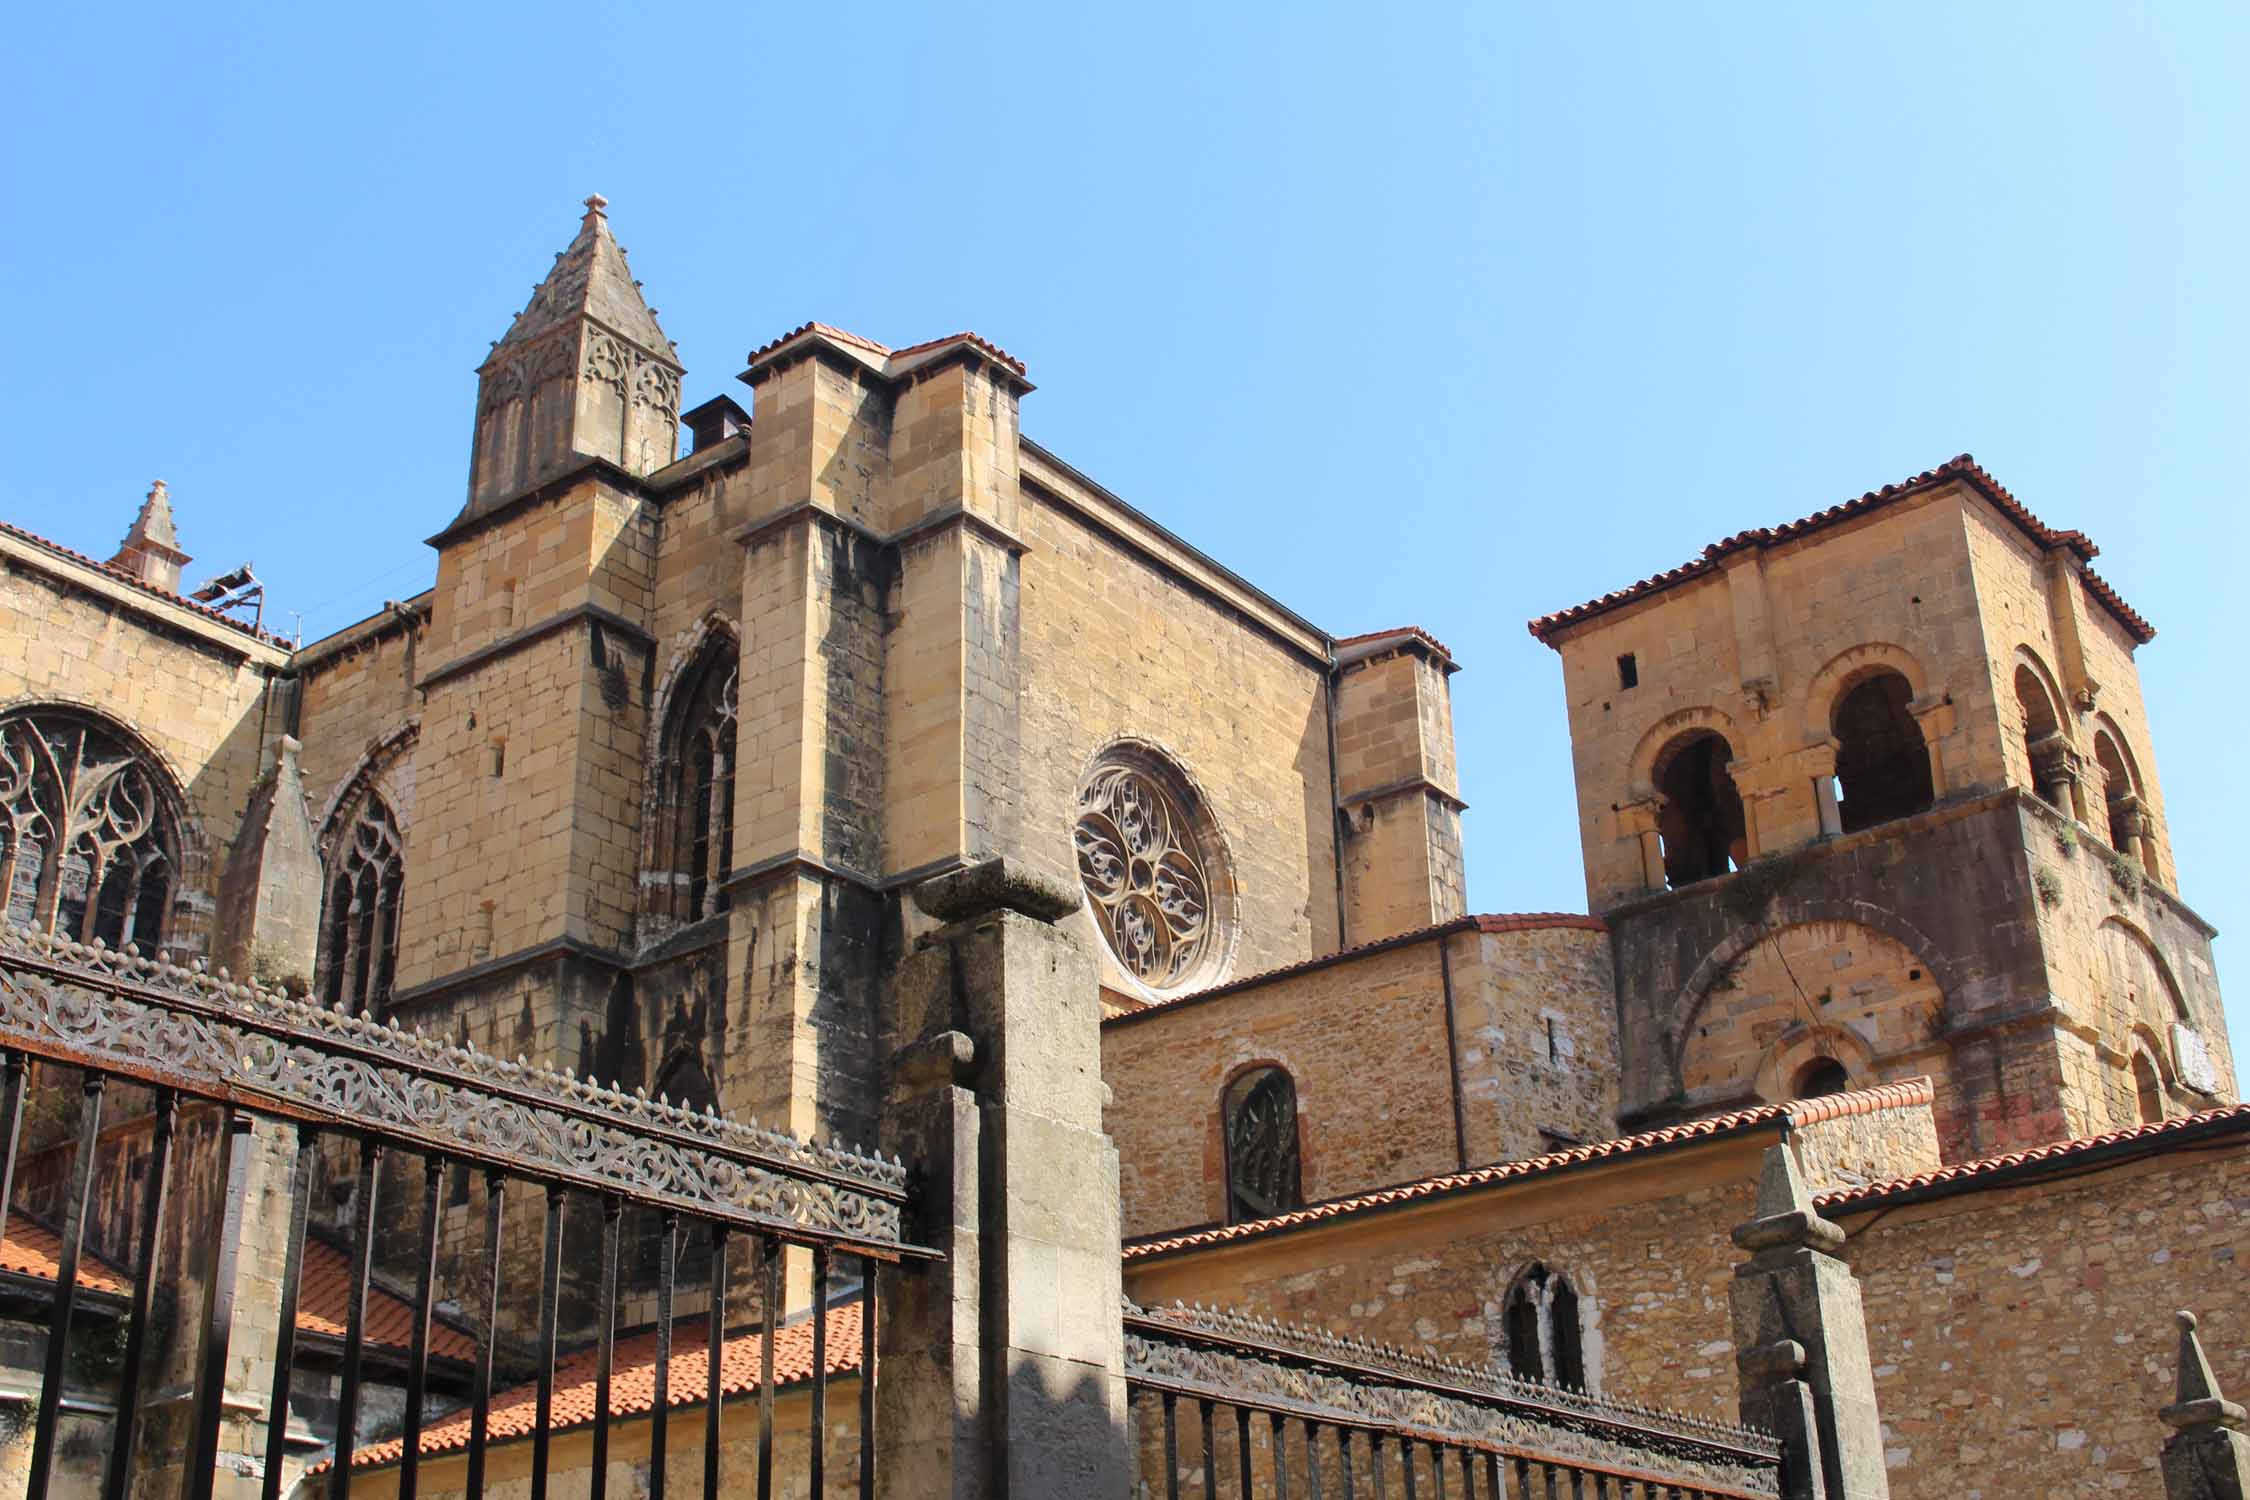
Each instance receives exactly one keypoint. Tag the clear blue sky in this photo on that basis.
(1412, 314)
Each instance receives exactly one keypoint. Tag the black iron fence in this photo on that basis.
(189, 1035)
(1228, 1405)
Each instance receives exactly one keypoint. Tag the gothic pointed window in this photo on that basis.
(359, 927)
(88, 839)
(697, 785)
(1261, 1146)
(1546, 1343)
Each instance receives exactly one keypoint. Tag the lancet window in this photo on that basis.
(696, 829)
(88, 841)
(359, 930)
(1261, 1146)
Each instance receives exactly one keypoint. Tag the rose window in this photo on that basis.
(1145, 862)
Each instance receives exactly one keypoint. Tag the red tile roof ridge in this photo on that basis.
(885, 351)
(1963, 466)
(1413, 630)
(514, 1412)
(1490, 922)
(1969, 1174)
(1906, 1094)
(119, 575)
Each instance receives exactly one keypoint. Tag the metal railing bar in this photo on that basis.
(480, 1406)
(867, 1375)
(715, 1324)
(1375, 1465)
(11, 1121)
(1210, 1454)
(769, 1313)
(1278, 1438)
(1170, 1401)
(660, 1410)
(218, 1307)
(285, 1334)
(605, 1335)
(418, 1344)
(155, 1194)
(1242, 1449)
(818, 1475)
(1312, 1460)
(550, 1314)
(355, 1320)
(66, 1287)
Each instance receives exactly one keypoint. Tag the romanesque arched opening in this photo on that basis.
(2148, 1090)
(2121, 801)
(1263, 1173)
(1820, 1077)
(2042, 734)
(1700, 818)
(1882, 762)
(1544, 1329)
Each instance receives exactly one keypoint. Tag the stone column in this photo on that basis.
(1003, 1366)
(1800, 1341)
(2207, 1457)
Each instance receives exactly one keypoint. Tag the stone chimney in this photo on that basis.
(151, 550)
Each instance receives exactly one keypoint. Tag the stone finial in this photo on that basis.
(151, 549)
(595, 204)
(997, 884)
(1785, 1217)
(2198, 1402)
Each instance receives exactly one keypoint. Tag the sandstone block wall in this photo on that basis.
(1117, 644)
(1365, 1042)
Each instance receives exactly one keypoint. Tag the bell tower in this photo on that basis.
(584, 372)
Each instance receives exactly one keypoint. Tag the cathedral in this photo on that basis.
(653, 784)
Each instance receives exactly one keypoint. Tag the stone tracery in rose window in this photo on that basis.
(87, 844)
(1148, 875)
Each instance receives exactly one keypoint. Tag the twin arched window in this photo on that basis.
(1882, 761)
(89, 842)
(1260, 1116)
(1545, 1341)
(694, 842)
(1700, 823)
(360, 912)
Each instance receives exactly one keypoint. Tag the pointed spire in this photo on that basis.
(1785, 1216)
(590, 279)
(151, 549)
(2197, 1383)
(1781, 1186)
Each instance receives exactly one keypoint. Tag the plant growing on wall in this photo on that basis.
(2125, 875)
(2049, 884)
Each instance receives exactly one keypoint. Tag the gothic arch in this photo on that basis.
(1719, 960)
(114, 854)
(687, 823)
(1640, 774)
(1263, 1176)
(1554, 1307)
(376, 770)
(686, 652)
(1844, 671)
(195, 842)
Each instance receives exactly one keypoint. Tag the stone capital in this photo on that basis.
(997, 884)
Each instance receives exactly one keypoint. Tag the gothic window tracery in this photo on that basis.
(88, 843)
(1546, 1343)
(359, 926)
(1149, 866)
(696, 787)
(1260, 1117)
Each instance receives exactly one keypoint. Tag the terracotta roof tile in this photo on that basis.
(1961, 468)
(884, 351)
(119, 575)
(1912, 1092)
(1490, 922)
(324, 1300)
(1971, 1174)
(1413, 630)
(632, 1391)
(32, 1249)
